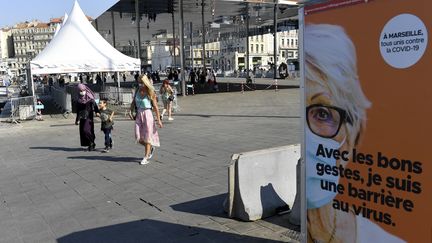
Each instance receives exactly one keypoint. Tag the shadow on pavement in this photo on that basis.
(210, 206)
(221, 115)
(154, 231)
(270, 199)
(213, 206)
(60, 149)
(63, 125)
(107, 158)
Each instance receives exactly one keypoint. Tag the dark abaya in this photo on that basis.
(86, 124)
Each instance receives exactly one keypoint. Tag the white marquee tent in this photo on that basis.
(58, 27)
(78, 47)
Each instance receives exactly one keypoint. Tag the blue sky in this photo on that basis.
(14, 11)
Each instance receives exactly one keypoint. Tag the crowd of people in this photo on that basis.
(204, 78)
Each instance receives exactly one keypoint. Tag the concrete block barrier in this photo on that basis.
(262, 181)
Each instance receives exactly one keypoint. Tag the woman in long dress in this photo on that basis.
(145, 129)
(86, 107)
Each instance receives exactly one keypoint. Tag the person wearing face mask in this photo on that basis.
(86, 107)
(335, 119)
(143, 105)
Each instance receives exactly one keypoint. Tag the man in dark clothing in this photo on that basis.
(136, 76)
(192, 77)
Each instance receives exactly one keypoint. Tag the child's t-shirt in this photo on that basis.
(104, 115)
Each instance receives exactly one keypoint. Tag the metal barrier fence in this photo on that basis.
(62, 99)
(22, 108)
(118, 99)
(122, 98)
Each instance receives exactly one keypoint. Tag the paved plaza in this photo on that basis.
(51, 190)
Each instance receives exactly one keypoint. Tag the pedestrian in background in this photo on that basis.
(202, 77)
(39, 108)
(86, 106)
(175, 75)
(167, 94)
(192, 77)
(145, 128)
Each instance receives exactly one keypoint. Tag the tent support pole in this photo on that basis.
(29, 72)
(30, 76)
(118, 86)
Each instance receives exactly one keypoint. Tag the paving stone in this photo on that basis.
(243, 227)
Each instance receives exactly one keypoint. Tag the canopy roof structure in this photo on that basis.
(78, 47)
(155, 16)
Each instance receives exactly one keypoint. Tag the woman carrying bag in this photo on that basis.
(145, 129)
(167, 94)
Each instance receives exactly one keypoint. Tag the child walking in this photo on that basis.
(39, 108)
(106, 116)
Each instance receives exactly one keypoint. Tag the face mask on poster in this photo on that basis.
(316, 196)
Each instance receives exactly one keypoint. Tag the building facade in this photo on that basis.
(232, 56)
(29, 39)
(6, 43)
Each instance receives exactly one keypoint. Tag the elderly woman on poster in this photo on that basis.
(336, 119)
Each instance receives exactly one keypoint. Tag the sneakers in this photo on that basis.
(106, 150)
(170, 119)
(144, 161)
(151, 153)
(162, 114)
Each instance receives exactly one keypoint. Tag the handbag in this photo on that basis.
(171, 98)
(133, 109)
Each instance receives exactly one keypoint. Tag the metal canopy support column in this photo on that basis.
(275, 49)
(191, 46)
(174, 40)
(182, 52)
(203, 34)
(113, 29)
(137, 20)
(247, 41)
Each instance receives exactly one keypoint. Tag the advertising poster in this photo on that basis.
(368, 121)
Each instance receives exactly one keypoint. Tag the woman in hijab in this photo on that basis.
(86, 106)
